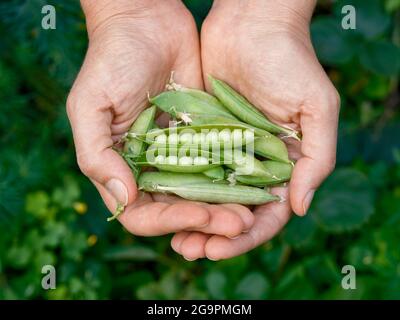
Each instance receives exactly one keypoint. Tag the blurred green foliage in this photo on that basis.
(50, 214)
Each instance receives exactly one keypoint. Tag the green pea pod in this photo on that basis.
(244, 110)
(134, 147)
(272, 148)
(206, 97)
(266, 145)
(246, 164)
(148, 180)
(217, 173)
(175, 102)
(143, 123)
(199, 120)
(204, 191)
(280, 172)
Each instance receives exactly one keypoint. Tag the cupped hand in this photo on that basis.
(268, 57)
(133, 47)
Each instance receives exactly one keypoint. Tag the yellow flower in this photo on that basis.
(92, 240)
(80, 207)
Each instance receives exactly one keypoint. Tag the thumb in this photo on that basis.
(318, 148)
(90, 114)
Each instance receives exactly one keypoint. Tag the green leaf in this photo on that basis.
(344, 202)
(19, 256)
(253, 286)
(294, 285)
(332, 45)
(381, 57)
(300, 231)
(65, 196)
(365, 288)
(216, 283)
(392, 5)
(38, 205)
(134, 253)
(171, 285)
(360, 256)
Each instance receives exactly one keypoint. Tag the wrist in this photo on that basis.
(98, 12)
(281, 14)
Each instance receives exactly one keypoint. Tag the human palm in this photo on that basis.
(131, 55)
(275, 67)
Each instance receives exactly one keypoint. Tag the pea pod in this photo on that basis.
(174, 102)
(206, 97)
(148, 180)
(217, 173)
(272, 148)
(228, 137)
(245, 164)
(266, 144)
(134, 147)
(244, 110)
(182, 160)
(205, 191)
(280, 172)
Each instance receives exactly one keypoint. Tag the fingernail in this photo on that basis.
(234, 238)
(118, 191)
(187, 259)
(204, 225)
(307, 200)
(246, 231)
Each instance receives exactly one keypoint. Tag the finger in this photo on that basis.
(158, 218)
(145, 217)
(177, 240)
(90, 115)
(244, 213)
(269, 220)
(192, 247)
(223, 221)
(319, 128)
(228, 220)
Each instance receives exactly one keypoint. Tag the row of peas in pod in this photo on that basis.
(220, 148)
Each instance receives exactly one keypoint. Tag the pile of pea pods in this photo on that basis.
(217, 149)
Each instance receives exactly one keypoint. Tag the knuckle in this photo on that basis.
(70, 104)
(329, 166)
(86, 164)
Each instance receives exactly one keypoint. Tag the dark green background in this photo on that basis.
(51, 214)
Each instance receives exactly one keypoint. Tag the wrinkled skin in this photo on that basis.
(131, 54)
(274, 65)
(132, 51)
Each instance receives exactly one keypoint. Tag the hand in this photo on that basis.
(133, 47)
(263, 50)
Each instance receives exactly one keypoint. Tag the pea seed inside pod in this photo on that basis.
(200, 161)
(224, 136)
(186, 138)
(159, 159)
(162, 138)
(185, 161)
(248, 136)
(171, 160)
(199, 138)
(212, 136)
(173, 138)
(237, 136)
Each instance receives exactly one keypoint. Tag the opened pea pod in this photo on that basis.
(216, 151)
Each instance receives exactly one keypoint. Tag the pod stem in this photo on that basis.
(231, 178)
(172, 85)
(120, 209)
(290, 133)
